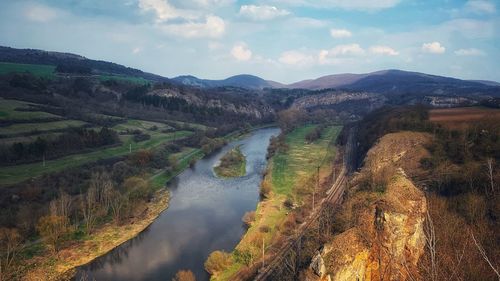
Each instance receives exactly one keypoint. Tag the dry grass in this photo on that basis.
(462, 117)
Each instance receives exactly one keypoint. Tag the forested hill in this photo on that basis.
(71, 63)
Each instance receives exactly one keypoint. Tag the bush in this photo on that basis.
(242, 256)
(265, 190)
(184, 275)
(217, 261)
(248, 218)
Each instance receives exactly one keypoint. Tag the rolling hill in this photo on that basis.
(241, 81)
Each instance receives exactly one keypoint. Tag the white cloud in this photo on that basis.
(383, 50)
(346, 50)
(40, 13)
(340, 53)
(296, 58)
(261, 13)
(363, 5)
(340, 33)
(433, 48)
(136, 50)
(212, 27)
(241, 52)
(480, 7)
(163, 10)
(469, 52)
(213, 45)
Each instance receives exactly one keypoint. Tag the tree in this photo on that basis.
(117, 204)
(217, 261)
(52, 229)
(184, 275)
(489, 165)
(89, 208)
(61, 206)
(10, 242)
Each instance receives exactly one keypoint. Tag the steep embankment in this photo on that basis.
(382, 218)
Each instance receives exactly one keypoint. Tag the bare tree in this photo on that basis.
(430, 243)
(490, 165)
(103, 185)
(89, 208)
(117, 205)
(483, 254)
(61, 206)
(52, 229)
(10, 242)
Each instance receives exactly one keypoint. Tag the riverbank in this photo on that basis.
(232, 164)
(61, 266)
(290, 178)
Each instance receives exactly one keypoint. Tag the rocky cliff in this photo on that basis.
(384, 234)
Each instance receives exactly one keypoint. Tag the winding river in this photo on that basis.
(204, 215)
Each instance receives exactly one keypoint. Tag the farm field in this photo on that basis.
(9, 110)
(461, 117)
(290, 175)
(23, 128)
(15, 174)
(41, 70)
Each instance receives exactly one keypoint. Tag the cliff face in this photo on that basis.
(385, 237)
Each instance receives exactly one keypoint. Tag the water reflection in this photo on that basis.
(204, 215)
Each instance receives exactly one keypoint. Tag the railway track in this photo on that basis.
(334, 195)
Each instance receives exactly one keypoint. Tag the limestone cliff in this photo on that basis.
(384, 236)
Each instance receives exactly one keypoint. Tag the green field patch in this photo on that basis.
(9, 110)
(232, 164)
(22, 128)
(145, 126)
(40, 70)
(15, 174)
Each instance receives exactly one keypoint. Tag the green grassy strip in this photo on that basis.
(21, 128)
(15, 174)
(8, 111)
(41, 70)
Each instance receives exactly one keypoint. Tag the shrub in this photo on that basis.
(217, 261)
(242, 256)
(184, 275)
(264, 229)
(265, 190)
(248, 218)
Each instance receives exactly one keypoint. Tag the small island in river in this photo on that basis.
(231, 165)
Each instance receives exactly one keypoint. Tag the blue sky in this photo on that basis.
(282, 40)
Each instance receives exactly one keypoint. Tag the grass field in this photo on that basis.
(8, 111)
(287, 174)
(134, 124)
(40, 70)
(461, 117)
(15, 174)
(21, 128)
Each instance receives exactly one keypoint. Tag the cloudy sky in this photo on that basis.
(282, 40)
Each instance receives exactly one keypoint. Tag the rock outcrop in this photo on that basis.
(385, 237)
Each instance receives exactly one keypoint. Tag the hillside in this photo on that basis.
(242, 81)
(68, 62)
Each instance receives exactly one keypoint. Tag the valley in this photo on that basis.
(112, 173)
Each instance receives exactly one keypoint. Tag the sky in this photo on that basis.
(281, 40)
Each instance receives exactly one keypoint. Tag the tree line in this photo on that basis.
(71, 141)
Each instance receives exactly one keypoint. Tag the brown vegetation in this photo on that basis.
(184, 275)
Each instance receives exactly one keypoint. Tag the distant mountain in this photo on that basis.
(71, 61)
(242, 81)
(398, 82)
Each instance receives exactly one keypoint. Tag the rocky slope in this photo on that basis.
(384, 233)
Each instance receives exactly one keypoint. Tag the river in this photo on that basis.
(204, 215)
